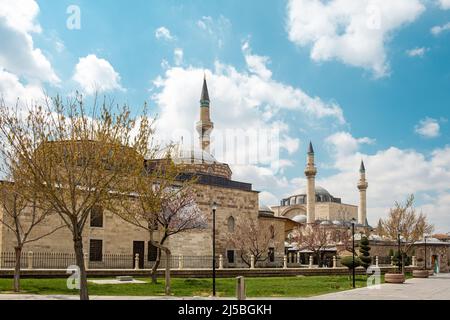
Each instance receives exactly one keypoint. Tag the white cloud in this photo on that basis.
(256, 64)
(392, 174)
(163, 33)
(417, 52)
(437, 30)
(353, 32)
(444, 4)
(94, 74)
(240, 100)
(217, 29)
(344, 143)
(18, 54)
(178, 56)
(428, 128)
(12, 89)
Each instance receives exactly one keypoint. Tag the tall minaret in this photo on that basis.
(362, 186)
(310, 173)
(204, 126)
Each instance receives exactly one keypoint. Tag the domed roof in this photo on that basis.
(325, 222)
(188, 155)
(300, 218)
(319, 191)
(265, 208)
(337, 222)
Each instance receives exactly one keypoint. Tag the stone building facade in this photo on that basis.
(106, 233)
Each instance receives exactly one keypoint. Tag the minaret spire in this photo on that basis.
(205, 125)
(362, 187)
(310, 173)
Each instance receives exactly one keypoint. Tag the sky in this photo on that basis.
(366, 79)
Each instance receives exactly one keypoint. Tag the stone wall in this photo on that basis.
(118, 235)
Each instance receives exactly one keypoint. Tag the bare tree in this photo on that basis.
(250, 239)
(21, 214)
(164, 205)
(404, 220)
(315, 238)
(74, 157)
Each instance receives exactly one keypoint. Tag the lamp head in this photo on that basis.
(214, 206)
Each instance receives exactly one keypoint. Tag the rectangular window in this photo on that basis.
(97, 217)
(230, 256)
(95, 250)
(152, 252)
(271, 254)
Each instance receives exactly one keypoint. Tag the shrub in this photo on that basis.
(348, 262)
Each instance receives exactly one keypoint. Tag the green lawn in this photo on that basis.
(256, 287)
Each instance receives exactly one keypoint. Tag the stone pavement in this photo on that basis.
(436, 287)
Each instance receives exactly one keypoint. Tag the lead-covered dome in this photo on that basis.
(322, 195)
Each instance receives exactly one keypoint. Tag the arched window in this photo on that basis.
(230, 223)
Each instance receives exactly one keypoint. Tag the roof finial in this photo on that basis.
(362, 169)
(310, 148)
(204, 96)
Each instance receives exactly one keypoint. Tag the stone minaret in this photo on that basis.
(204, 126)
(362, 186)
(310, 173)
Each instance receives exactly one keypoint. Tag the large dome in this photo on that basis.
(319, 191)
(188, 156)
(193, 155)
(322, 195)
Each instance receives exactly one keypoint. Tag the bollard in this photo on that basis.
(252, 262)
(220, 261)
(310, 261)
(376, 261)
(285, 262)
(136, 261)
(180, 262)
(30, 259)
(86, 260)
(334, 262)
(240, 288)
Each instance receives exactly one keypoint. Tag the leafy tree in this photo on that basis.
(364, 250)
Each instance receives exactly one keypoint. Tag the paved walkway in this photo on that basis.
(433, 288)
(436, 287)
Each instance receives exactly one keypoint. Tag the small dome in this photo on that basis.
(337, 222)
(300, 218)
(266, 210)
(325, 223)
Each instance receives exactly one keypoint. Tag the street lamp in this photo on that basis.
(425, 250)
(214, 208)
(400, 256)
(353, 250)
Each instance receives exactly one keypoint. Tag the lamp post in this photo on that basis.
(214, 208)
(353, 251)
(400, 256)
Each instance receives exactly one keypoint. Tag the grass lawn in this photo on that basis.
(225, 287)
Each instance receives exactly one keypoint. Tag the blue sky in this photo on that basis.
(361, 79)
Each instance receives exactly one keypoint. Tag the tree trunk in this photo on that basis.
(168, 255)
(79, 255)
(18, 252)
(155, 267)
